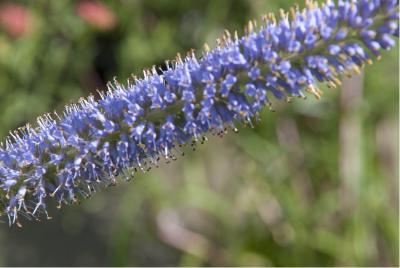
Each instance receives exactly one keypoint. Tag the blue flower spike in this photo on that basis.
(132, 127)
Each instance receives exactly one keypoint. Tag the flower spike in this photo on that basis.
(132, 126)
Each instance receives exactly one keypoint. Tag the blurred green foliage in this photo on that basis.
(274, 195)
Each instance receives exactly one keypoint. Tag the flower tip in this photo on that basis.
(206, 48)
(315, 91)
(250, 27)
(356, 69)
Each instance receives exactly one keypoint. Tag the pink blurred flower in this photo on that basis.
(15, 19)
(96, 14)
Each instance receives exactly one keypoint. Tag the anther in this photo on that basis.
(206, 48)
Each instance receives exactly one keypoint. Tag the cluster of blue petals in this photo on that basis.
(132, 126)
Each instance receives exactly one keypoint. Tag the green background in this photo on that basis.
(293, 191)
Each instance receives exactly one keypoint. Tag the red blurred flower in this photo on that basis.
(96, 14)
(15, 19)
